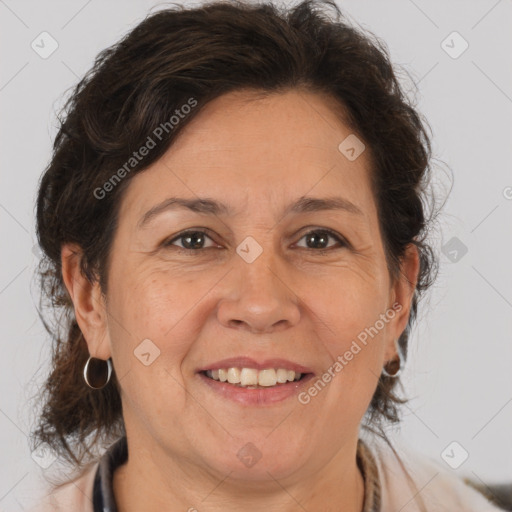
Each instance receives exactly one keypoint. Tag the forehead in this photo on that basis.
(244, 148)
(249, 124)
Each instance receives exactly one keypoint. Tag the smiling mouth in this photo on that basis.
(251, 378)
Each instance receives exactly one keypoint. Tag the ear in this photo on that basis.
(402, 293)
(88, 301)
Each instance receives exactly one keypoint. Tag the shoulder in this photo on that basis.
(76, 495)
(413, 475)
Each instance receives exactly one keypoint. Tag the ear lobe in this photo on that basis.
(87, 300)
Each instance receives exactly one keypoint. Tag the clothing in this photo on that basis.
(387, 488)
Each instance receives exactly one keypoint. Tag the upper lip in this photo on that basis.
(247, 362)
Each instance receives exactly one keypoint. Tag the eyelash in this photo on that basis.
(343, 243)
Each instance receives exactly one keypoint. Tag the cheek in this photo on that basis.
(348, 316)
(349, 302)
(148, 319)
(145, 317)
(153, 301)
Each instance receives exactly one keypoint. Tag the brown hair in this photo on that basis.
(137, 85)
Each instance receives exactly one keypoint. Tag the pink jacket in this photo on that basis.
(439, 486)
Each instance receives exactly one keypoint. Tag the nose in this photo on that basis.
(259, 298)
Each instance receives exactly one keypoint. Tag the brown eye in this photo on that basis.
(190, 240)
(319, 239)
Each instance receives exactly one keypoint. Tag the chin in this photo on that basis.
(257, 461)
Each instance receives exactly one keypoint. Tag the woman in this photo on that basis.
(234, 226)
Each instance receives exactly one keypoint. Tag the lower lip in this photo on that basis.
(260, 396)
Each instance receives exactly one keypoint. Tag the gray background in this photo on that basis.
(459, 371)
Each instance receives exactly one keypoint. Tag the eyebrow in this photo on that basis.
(211, 207)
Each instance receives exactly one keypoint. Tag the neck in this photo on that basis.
(152, 481)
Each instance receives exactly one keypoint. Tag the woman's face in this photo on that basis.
(263, 287)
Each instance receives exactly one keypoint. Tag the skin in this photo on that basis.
(301, 304)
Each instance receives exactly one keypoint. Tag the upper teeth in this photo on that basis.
(253, 377)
